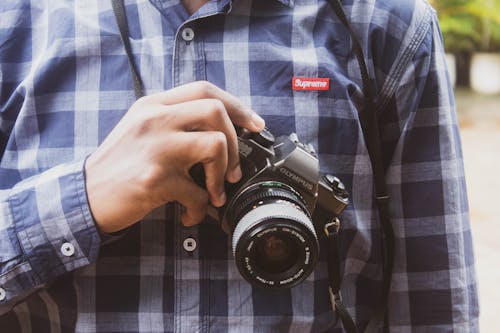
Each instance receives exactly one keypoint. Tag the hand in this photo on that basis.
(145, 161)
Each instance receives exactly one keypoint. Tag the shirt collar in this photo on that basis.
(288, 3)
(174, 8)
(224, 6)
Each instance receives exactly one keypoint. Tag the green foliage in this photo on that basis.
(469, 25)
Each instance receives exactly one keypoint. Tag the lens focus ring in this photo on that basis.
(278, 210)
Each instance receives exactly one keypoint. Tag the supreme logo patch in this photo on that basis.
(310, 83)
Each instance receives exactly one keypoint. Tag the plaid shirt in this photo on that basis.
(65, 83)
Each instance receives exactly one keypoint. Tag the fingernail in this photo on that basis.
(236, 174)
(187, 221)
(258, 121)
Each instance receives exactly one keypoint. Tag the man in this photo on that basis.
(93, 237)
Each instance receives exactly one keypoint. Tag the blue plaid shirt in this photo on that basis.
(65, 83)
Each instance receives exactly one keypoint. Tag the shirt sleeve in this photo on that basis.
(46, 230)
(434, 283)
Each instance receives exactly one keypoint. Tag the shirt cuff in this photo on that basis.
(54, 227)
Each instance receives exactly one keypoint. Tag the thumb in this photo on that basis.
(194, 199)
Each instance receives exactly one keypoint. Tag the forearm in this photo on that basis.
(46, 230)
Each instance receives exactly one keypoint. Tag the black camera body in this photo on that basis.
(276, 210)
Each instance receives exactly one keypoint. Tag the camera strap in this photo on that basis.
(371, 132)
(369, 124)
(121, 21)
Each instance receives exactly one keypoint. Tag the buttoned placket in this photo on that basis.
(187, 54)
(191, 275)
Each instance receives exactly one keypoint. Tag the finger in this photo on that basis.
(194, 199)
(210, 115)
(209, 149)
(240, 114)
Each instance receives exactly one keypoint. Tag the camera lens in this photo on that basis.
(274, 241)
(276, 253)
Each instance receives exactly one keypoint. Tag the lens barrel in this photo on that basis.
(274, 241)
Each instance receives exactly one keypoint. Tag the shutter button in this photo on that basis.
(189, 244)
(67, 249)
(187, 34)
(3, 294)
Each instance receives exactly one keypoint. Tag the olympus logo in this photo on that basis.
(296, 178)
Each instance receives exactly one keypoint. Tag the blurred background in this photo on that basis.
(471, 33)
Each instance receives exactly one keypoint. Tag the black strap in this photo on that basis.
(331, 230)
(121, 20)
(370, 126)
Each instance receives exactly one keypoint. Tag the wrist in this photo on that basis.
(114, 203)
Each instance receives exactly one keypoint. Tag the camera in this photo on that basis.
(276, 211)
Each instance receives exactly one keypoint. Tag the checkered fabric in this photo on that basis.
(65, 83)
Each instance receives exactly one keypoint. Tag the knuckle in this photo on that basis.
(146, 122)
(206, 88)
(218, 142)
(155, 118)
(217, 109)
(150, 175)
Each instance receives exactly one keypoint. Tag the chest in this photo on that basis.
(79, 88)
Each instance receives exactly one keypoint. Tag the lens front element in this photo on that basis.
(276, 253)
(275, 244)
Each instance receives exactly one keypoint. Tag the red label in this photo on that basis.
(310, 83)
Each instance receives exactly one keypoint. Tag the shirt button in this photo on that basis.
(67, 249)
(187, 34)
(3, 294)
(189, 244)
